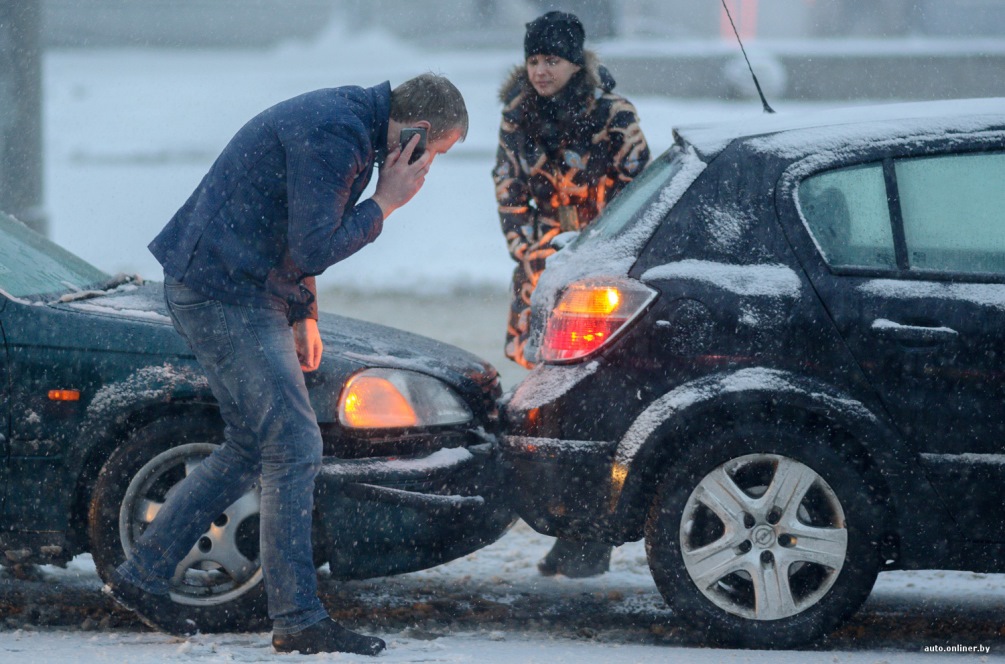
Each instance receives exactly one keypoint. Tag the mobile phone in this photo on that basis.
(406, 136)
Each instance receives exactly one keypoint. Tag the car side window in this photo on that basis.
(953, 208)
(847, 213)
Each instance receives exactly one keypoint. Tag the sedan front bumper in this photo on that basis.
(381, 516)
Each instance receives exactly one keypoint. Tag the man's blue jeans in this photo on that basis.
(271, 435)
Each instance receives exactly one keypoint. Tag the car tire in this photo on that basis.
(210, 588)
(753, 501)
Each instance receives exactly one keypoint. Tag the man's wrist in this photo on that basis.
(385, 208)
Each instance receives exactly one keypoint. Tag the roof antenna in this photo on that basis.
(764, 102)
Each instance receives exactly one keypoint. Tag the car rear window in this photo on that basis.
(954, 212)
(32, 265)
(847, 214)
(952, 207)
(622, 210)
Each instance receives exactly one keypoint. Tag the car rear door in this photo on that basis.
(910, 264)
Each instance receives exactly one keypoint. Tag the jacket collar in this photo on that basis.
(381, 98)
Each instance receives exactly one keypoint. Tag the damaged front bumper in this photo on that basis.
(387, 515)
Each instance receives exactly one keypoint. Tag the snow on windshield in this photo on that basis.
(32, 265)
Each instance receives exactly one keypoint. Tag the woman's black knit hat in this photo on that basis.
(556, 33)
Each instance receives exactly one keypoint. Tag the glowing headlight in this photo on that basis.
(390, 398)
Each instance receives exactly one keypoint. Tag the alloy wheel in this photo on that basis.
(763, 537)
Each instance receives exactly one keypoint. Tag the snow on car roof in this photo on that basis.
(800, 133)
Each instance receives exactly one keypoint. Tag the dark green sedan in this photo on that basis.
(105, 409)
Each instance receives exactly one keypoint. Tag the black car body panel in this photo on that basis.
(412, 498)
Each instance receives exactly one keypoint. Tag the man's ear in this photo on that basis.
(424, 124)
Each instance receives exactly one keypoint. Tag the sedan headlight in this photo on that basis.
(391, 398)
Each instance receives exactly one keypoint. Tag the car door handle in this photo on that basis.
(917, 334)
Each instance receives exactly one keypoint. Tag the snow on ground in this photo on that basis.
(129, 133)
(505, 612)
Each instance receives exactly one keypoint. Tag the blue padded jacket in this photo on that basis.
(279, 205)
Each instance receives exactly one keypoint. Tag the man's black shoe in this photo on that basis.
(156, 611)
(327, 636)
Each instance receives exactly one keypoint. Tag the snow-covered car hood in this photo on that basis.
(141, 302)
(356, 343)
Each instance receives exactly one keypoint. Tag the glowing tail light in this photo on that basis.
(589, 314)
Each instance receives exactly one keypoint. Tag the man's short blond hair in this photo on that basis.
(432, 98)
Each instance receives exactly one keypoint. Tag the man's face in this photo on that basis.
(442, 144)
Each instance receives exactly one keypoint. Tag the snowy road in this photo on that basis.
(493, 607)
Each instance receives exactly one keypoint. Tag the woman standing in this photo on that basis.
(567, 145)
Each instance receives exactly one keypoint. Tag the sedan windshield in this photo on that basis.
(31, 265)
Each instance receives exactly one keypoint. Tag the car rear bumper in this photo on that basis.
(563, 488)
(380, 516)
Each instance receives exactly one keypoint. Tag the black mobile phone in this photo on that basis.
(406, 136)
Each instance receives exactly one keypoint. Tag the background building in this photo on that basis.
(255, 23)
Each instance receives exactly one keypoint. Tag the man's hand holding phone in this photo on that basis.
(405, 137)
(404, 171)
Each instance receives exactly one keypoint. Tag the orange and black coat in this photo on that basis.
(560, 161)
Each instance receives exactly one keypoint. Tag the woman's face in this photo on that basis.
(549, 73)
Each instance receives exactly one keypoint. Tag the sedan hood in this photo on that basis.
(348, 342)
(372, 345)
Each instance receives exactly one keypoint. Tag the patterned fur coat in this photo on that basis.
(559, 161)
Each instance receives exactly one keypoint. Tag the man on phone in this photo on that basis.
(278, 207)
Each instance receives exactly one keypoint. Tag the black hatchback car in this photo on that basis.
(779, 357)
(105, 409)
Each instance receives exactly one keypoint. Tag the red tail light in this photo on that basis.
(589, 314)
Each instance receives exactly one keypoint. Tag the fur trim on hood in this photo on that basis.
(517, 81)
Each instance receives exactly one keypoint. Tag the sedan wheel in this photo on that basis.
(763, 537)
(766, 549)
(218, 585)
(223, 564)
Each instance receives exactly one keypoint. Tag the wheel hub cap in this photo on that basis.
(764, 537)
